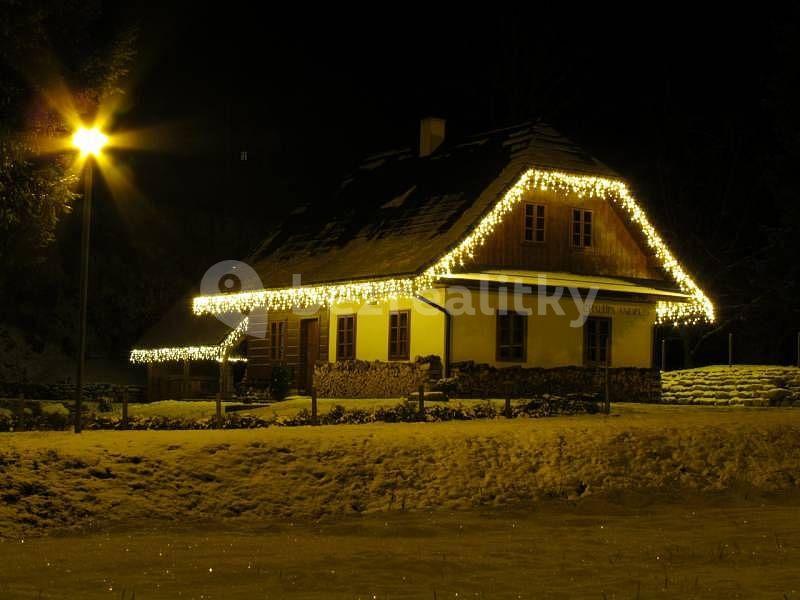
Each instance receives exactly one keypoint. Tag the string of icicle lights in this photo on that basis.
(697, 308)
(219, 353)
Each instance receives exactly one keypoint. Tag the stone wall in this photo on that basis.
(626, 384)
(377, 379)
(373, 379)
(66, 391)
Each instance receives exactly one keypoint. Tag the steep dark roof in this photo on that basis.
(398, 212)
(393, 216)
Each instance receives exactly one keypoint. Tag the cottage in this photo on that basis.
(509, 248)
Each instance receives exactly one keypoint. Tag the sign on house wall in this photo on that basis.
(621, 309)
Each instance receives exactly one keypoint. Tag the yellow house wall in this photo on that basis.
(372, 327)
(631, 331)
(551, 342)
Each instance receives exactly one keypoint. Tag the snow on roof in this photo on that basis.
(398, 212)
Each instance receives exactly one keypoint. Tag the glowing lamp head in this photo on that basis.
(89, 141)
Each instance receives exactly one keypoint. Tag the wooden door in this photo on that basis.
(309, 353)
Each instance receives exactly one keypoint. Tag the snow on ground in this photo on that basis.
(57, 479)
(555, 550)
(185, 409)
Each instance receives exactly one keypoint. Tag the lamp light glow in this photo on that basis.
(89, 140)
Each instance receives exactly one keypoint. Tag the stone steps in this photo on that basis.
(738, 385)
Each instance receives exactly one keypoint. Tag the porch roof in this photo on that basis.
(181, 335)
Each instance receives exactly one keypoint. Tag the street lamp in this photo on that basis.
(89, 142)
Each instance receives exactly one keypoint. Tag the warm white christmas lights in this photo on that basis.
(697, 308)
(220, 353)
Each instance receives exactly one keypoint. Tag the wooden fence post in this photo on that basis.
(314, 406)
(185, 375)
(507, 408)
(151, 383)
(125, 406)
(664, 355)
(606, 377)
(730, 349)
(421, 411)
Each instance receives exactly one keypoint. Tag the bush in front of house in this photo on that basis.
(24, 415)
(401, 413)
(445, 412)
(32, 415)
(233, 421)
(6, 420)
(551, 406)
(279, 381)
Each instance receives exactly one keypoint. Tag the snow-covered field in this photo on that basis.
(667, 501)
(59, 480)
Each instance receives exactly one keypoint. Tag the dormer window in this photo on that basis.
(582, 228)
(533, 223)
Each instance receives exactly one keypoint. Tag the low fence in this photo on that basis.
(66, 391)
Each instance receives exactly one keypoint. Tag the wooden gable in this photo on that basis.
(616, 250)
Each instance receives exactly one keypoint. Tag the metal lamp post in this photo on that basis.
(90, 142)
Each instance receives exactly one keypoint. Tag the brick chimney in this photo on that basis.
(431, 135)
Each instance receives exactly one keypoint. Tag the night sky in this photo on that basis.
(696, 110)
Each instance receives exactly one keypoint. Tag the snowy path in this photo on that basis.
(556, 551)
